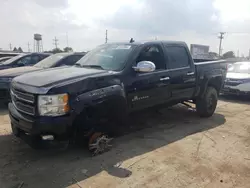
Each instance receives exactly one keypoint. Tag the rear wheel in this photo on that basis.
(206, 105)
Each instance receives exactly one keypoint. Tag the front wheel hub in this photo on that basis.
(99, 143)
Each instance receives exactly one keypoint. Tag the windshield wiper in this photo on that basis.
(92, 66)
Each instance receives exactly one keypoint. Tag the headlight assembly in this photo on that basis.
(53, 105)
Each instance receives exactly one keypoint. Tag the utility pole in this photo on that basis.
(28, 47)
(238, 53)
(106, 36)
(10, 46)
(55, 42)
(67, 39)
(221, 37)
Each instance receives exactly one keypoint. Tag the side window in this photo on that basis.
(71, 60)
(178, 57)
(154, 54)
(24, 61)
(34, 59)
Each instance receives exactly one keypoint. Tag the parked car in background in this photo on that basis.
(56, 60)
(237, 79)
(82, 102)
(2, 59)
(5, 54)
(21, 60)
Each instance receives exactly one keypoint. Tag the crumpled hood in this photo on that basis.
(51, 77)
(13, 72)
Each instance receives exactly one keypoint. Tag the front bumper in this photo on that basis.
(229, 91)
(242, 89)
(38, 126)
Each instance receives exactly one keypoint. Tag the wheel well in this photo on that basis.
(114, 110)
(216, 83)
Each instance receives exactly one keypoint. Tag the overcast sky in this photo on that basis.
(85, 21)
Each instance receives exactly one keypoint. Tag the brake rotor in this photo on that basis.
(99, 143)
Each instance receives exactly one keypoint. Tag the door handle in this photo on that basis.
(190, 73)
(164, 78)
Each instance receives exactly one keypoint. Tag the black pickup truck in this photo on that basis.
(111, 81)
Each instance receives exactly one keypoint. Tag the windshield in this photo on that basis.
(243, 67)
(11, 60)
(108, 57)
(51, 60)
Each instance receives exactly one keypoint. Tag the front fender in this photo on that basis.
(108, 98)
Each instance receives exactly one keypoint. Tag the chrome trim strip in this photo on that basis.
(29, 101)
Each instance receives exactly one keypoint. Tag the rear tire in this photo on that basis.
(206, 105)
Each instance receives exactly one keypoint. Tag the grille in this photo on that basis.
(23, 102)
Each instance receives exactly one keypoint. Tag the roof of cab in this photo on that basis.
(151, 42)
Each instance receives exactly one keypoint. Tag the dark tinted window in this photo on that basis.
(71, 60)
(177, 56)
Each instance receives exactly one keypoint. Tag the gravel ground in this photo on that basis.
(166, 148)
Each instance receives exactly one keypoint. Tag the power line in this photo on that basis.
(55, 42)
(106, 36)
(67, 39)
(28, 47)
(221, 37)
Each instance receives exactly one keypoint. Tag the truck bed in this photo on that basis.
(206, 70)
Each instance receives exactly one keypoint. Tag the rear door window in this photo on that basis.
(34, 59)
(177, 56)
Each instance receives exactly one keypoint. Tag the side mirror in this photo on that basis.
(144, 66)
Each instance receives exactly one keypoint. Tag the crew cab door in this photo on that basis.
(181, 71)
(151, 88)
